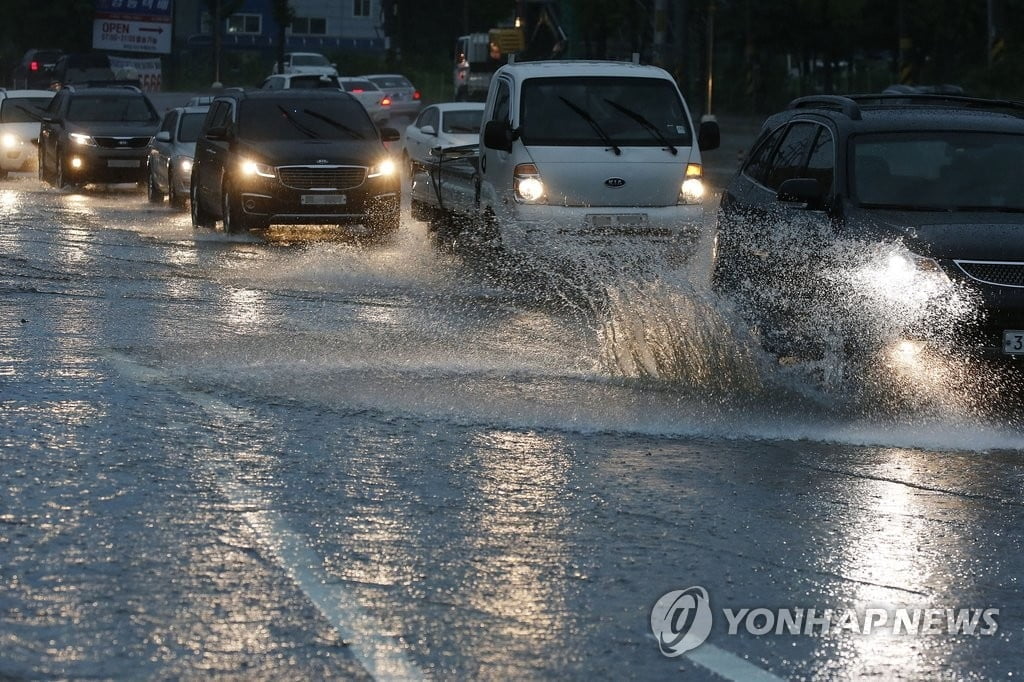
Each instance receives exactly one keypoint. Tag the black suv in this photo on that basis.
(295, 157)
(96, 134)
(35, 70)
(902, 211)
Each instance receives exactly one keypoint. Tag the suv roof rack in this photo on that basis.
(840, 103)
(850, 105)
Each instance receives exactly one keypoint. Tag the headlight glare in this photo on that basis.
(251, 168)
(86, 140)
(692, 189)
(185, 165)
(384, 168)
(10, 141)
(529, 188)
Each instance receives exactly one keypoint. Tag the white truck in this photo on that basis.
(572, 152)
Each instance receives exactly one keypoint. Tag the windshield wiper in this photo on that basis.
(301, 128)
(334, 124)
(646, 125)
(593, 124)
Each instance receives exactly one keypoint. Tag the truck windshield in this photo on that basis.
(546, 118)
(304, 119)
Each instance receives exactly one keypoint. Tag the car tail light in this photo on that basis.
(416, 94)
(386, 102)
(357, 91)
(33, 66)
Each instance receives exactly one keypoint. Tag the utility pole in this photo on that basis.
(216, 44)
(711, 56)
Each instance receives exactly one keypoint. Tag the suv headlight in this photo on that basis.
(10, 141)
(529, 188)
(385, 168)
(86, 140)
(692, 189)
(185, 164)
(251, 168)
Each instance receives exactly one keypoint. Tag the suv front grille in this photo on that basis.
(1000, 273)
(322, 177)
(122, 142)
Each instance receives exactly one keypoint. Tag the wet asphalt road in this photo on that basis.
(293, 458)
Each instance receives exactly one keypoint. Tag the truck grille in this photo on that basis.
(1000, 273)
(322, 177)
(122, 142)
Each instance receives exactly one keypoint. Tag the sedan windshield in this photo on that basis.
(191, 124)
(621, 107)
(21, 109)
(342, 118)
(461, 122)
(941, 170)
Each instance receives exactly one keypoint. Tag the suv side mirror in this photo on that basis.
(801, 190)
(710, 136)
(163, 136)
(498, 135)
(389, 135)
(218, 133)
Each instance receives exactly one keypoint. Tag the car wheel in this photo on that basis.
(60, 178)
(153, 192)
(40, 161)
(174, 198)
(421, 211)
(200, 217)
(234, 219)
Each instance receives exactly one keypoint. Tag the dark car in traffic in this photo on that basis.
(293, 157)
(96, 134)
(35, 69)
(905, 207)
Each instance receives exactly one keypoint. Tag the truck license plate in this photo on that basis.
(324, 199)
(1013, 341)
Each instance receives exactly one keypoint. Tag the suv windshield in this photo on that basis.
(17, 109)
(614, 103)
(941, 170)
(190, 127)
(320, 119)
(309, 60)
(111, 108)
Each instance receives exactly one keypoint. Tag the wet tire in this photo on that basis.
(43, 176)
(200, 216)
(176, 200)
(153, 192)
(422, 211)
(231, 211)
(60, 180)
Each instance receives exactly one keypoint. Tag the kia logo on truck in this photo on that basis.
(615, 182)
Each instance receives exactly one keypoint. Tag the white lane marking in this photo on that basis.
(382, 655)
(730, 666)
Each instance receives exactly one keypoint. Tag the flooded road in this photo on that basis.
(304, 457)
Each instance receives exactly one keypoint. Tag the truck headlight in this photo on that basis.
(529, 188)
(251, 168)
(86, 140)
(385, 168)
(692, 189)
(10, 141)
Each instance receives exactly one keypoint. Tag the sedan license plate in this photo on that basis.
(1013, 341)
(123, 163)
(324, 199)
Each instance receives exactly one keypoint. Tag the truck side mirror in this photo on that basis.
(710, 136)
(498, 135)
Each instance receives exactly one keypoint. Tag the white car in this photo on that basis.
(306, 62)
(171, 153)
(405, 98)
(19, 128)
(374, 100)
(450, 124)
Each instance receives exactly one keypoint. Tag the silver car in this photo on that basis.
(171, 153)
(405, 98)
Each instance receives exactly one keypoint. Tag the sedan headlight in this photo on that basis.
(529, 188)
(251, 168)
(692, 189)
(383, 169)
(85, 140)
(10, 141)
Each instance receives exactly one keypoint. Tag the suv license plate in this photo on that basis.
(123, 163)
(1013, 341)
(323, 199)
